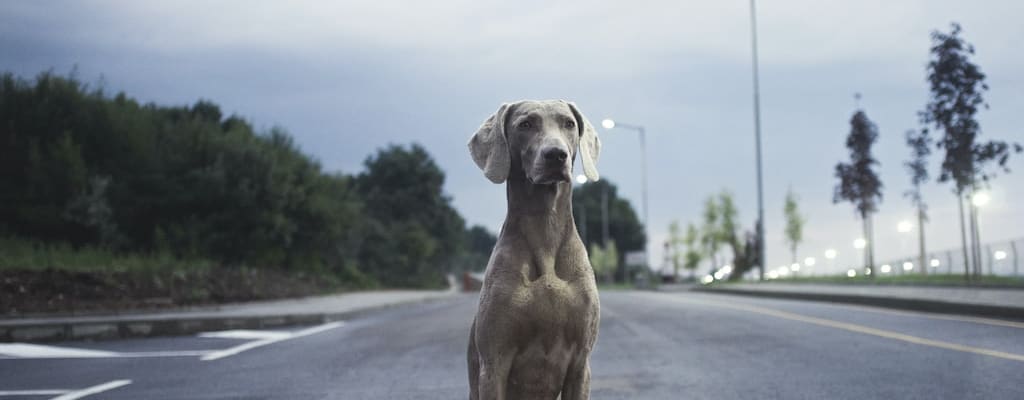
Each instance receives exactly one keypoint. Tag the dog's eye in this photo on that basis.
(570, 124)
(525, 125)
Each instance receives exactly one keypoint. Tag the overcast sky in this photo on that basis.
(348, 77)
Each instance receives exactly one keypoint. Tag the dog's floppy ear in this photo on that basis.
(489, 146)
(590, 144)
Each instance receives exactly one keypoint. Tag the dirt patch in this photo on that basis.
(53, 291)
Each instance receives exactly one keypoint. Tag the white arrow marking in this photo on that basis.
(216, 355)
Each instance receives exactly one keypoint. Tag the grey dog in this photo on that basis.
(539, 310)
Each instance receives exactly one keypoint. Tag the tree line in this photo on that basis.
(949, 123)
(90, 169)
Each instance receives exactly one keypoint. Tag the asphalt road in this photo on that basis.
(651, 346)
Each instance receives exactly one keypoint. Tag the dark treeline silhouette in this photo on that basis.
(88, 169)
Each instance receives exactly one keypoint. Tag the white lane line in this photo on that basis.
(245, 334)
(34, 351)
(25, 350)
(41, 392)
(216, 355)
(89, 391)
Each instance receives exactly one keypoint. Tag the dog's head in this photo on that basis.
(540, 137)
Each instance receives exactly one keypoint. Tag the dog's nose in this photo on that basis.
(555, 155)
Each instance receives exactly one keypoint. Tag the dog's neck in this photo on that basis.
(540, 217)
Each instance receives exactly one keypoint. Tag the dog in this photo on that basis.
(538, 316)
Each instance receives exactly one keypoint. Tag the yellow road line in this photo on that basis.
(854, 328)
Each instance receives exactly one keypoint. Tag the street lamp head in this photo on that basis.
(904, 226)
(860, 243)
(581, 179)
(980, 199)
(830, 254)
(607, 123)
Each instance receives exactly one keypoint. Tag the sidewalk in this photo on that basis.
(254, 315)
(1002, 303)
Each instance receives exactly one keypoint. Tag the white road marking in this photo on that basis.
(24, 350)
(245, 334)
(35, 351)
(216, 355)
(89, 391)
(41, 392)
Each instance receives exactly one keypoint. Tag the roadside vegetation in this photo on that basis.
(98, 183)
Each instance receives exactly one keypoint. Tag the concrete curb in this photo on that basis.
(137, 326)
(932, 306)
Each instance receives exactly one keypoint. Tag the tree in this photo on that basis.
(604, 260)
(624, 228)
(672, 246)
(956, 86)
(415, 232)
(693, 255)
(710, 236)
(917, 166)
(858, 182)
(479, 245)
(727, 216)
(794, 223)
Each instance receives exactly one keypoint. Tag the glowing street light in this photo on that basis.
(809, 261)
(851, 273)
(935, 263)
(795, 267)
(907, 266)
(581, 179)
(904, 226)
(830, 254)
(860, 243)
(999, 255)
(980, 199)
(608, 123)
(886, 268)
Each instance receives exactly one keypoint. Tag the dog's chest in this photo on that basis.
(551, 303)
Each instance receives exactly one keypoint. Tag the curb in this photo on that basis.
(139, 326)
(931, 306)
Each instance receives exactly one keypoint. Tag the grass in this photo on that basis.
(912, 279)
(614, 286)
(32, 255)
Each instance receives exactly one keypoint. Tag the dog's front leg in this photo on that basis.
(493, 380)
(577, 381)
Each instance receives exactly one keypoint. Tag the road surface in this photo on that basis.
(651, 346)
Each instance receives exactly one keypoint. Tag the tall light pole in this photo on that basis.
(611, 124)
(757, 141)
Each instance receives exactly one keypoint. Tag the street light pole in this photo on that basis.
(757, 141)
(611, 124)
